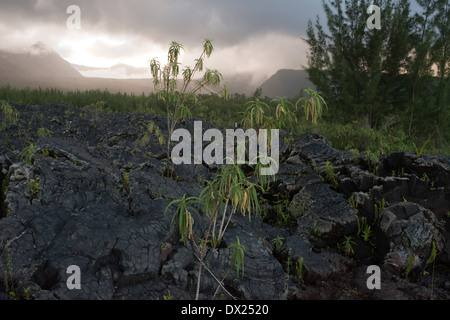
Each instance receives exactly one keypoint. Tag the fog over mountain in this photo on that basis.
(39, 61)
(256, 37)
(286, 83)
(117, 71)
(253, 39)
(41, 66)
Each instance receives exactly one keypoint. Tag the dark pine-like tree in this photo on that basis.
(346, 64)
(400, 71)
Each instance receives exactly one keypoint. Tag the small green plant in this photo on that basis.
(68, 113)
(230, 189)
(330, 175)
(288, 140)
(236, 261)
(316, 230)
(254, 114)
(427, 180)
(293, 207)
(184, 113)
(264, 212)
(373, 161)
(314, 166)
(237, 257)
(159, 194)
(44, 133)
(8, 281)
(160, 136)
(411, 260)
(284, 216)
(288, 267)
(122, 189)
(299, 268)
(26, 154)
(144, 140)
(168, 297)
(354, 202)
(366, 233)
(26, 293)
(257, 111)
(278, 242)
(419, 151)
(364, 229)
(348, 245)
(378, 209)
(432, 260)
(126, 178)
(265, 180)
(10, 116)
(164, 245)
(34, 187)
(313, 105)
(200, 179)
(185, 219)
(136, 148)
(355, 155)
(361, 224)
(150, 127)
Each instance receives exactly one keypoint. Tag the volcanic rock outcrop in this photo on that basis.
(87, 189)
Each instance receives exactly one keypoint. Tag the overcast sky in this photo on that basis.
(258, 36)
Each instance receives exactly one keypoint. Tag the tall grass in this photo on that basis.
(344, 136)
(114, 102)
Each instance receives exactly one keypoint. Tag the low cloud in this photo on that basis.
(258, 36)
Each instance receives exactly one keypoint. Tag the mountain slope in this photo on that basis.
(118, 71)
(38, 62)
(42, 67)
(286, 83)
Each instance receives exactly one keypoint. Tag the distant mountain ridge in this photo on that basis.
(117, 71)
(39, 61)
(42, 67)
(286, 83)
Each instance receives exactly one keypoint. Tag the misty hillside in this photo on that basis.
(286, 83)
(117, 71)
(42, 67)
(237, 83)
(38, 62)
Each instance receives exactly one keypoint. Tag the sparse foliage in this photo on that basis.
(10, 116)
(398, 72)
(179, 103)
(237, 257)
